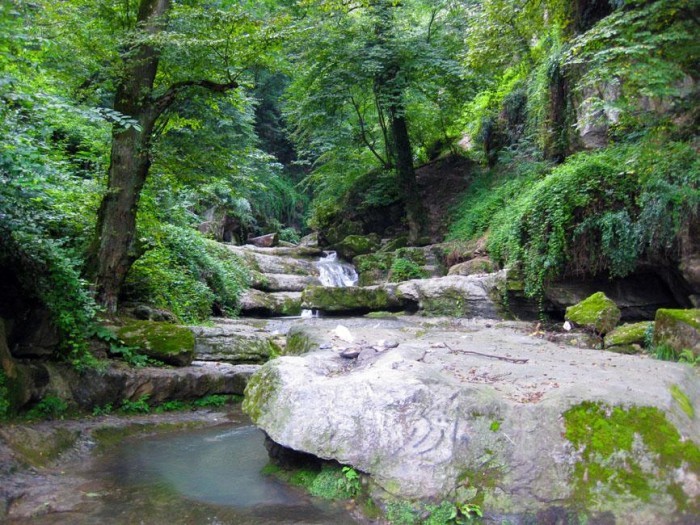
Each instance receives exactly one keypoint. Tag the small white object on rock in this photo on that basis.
(341, 332)
(567, 326)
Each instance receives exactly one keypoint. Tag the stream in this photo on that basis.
(209, 475)
(205, 476)
(202, 476)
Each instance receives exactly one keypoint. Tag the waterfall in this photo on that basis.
(336, 273)
(333, 273)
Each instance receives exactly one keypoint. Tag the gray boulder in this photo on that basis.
(233, 342)
(278, 282)
(255, 302)
(117, 383)
(456, 295)
(277, 260)
(495, 415)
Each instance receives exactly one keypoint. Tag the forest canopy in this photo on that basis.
(136, 136)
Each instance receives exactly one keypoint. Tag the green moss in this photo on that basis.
(402, 513)
(348, 299)
(633, 451)
(678, 330)
(405, 269)
(290, 306)
(373, 268)
(298, 343)
(628, 334)
(690, 316)
(354, 245)
(495, 426)
(596, 312)
(109, 436)
(37, 449)
(258, 390)
(451, 303)
(683, 401)
(166, 342)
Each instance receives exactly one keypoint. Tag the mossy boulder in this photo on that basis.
(597, 313)
(354, 245)
(255, 302)
(339, 231)
(628, 338)
(473, 266)
(679, 329)
(165, 342)
(394, 244)
(234, 342)
(350, 300)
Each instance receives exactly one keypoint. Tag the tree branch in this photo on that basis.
(166, 99)
(363, 133)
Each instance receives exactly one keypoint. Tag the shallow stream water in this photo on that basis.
(205, 476)
(189, 477)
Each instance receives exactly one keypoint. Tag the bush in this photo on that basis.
(50, 407)
(48, 272)
(404, 270)
(189, 275)
(597, 213)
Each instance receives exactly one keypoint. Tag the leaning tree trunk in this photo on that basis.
(129, 162)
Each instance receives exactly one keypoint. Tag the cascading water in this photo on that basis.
(334, 273)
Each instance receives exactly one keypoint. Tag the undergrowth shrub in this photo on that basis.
(404, 270)
(597, 213)
(491, 192)
(189, 275)
(50, 274)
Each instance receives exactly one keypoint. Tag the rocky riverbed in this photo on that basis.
(518, 420)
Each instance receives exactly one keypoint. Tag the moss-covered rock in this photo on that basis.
(597, 313)
(628, 338)
(38, 447)
(234, 343)
(165, 342)
(255, 302)
(339, 231)
(679, 329)
(354, 245)
(473, 266)
(394, 244)
(632, 452)
(373, 268)
(353, 299)
(299, 341)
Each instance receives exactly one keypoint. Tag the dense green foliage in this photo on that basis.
(263, 105)
(597, 212)
(621, 72)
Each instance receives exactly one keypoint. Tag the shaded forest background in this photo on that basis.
(137, 135)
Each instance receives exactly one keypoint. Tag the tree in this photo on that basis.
(360, 67)
(165, 45)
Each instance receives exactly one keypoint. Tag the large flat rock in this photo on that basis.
(487, 409)
(294, 261)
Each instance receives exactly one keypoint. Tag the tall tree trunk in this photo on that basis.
(408, 186)
(129, 162)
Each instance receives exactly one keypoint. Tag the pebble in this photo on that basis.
(350, 353)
